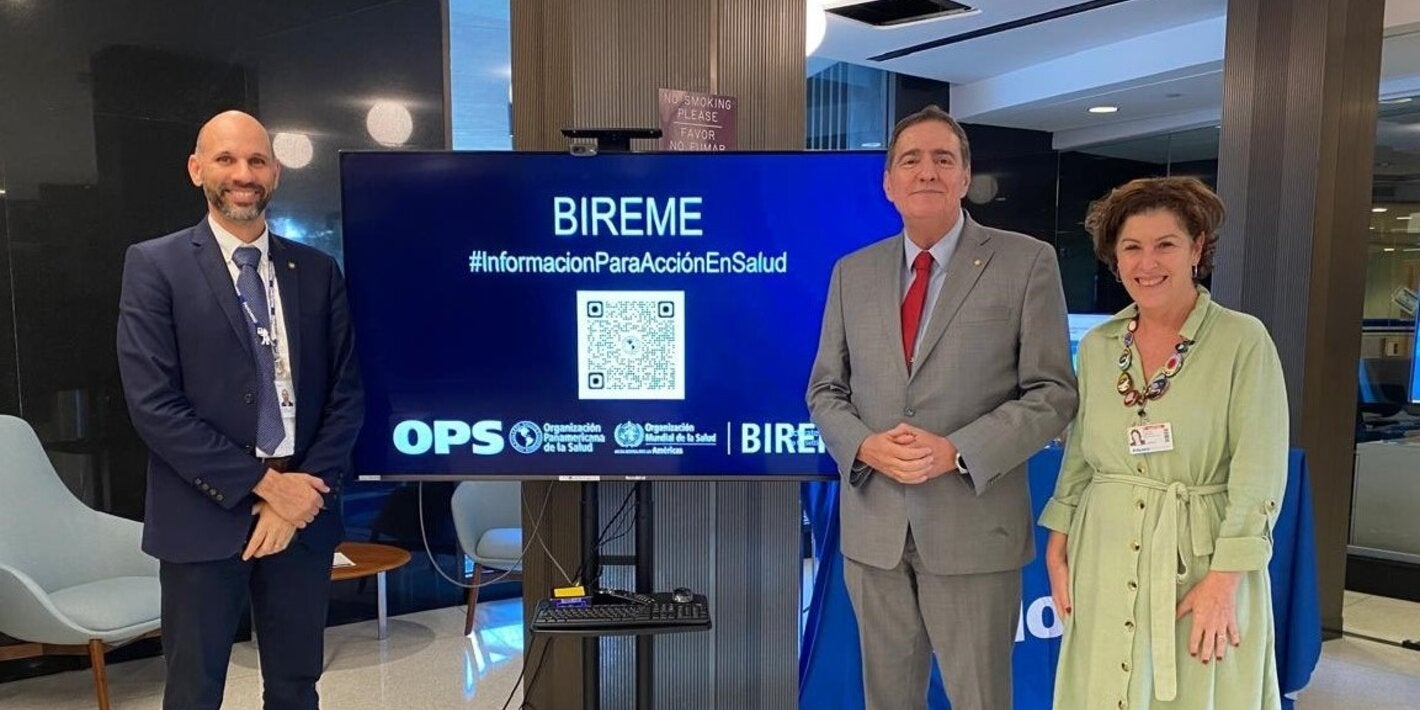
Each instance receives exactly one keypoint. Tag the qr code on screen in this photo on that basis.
(631, 344)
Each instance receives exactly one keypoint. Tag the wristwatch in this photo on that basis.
(858, 472)
(961, 463)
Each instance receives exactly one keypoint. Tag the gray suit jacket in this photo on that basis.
(993, 375)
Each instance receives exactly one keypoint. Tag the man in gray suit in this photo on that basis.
(943, 364)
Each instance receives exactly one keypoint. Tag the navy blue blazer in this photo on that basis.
(190, 377)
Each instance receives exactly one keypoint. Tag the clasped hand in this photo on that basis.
(294, 496)
(288, 501)
(271, 535)
(908, 454)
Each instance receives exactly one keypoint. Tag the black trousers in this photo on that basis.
(203, 603)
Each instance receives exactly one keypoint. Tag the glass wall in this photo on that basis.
(847, 106)
(1385, 531)
(480, 75)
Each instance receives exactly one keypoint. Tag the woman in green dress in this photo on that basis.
(1161, 521)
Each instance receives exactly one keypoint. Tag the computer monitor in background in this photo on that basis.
(1081, 323)
(1381, 384)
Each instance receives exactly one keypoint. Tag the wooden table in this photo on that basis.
(371, 558)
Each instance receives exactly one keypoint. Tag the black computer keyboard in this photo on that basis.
(662, 614)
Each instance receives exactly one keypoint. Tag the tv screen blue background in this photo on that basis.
(439, 343)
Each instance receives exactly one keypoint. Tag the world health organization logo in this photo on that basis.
(629, 435)
(525, 436)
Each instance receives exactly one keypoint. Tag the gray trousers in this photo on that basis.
(905, 613)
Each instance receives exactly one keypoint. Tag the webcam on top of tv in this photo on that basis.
(607, 140)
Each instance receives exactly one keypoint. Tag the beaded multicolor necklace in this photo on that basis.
(1160, 384)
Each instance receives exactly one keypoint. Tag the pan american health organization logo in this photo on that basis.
(629, 435)
(488, 437)
(525, 437)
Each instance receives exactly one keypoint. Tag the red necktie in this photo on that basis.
(914, 302)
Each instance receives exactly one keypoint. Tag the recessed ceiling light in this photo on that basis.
(1103, 109)
(1403, 217)
(1388, 249)
(1403, 100)
(1378, 209)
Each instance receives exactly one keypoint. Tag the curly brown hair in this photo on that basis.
(1196, 207)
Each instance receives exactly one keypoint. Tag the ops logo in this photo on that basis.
(416, 438)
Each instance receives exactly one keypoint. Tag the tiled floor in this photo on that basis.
(425, 663)
(428, 664)
(1355, 674)
(1382, 618)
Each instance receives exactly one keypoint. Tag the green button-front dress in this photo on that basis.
(1143, 529)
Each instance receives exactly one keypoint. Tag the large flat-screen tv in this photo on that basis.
(619, 316)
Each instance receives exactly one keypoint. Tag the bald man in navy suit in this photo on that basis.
(238, 364)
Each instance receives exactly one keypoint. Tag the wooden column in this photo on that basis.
(1299, 121)
(599, 64)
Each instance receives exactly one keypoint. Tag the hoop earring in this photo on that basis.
(1195, 272)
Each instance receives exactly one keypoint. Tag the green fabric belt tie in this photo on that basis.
(1182, 520)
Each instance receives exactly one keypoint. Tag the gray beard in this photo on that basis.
(237, 214)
